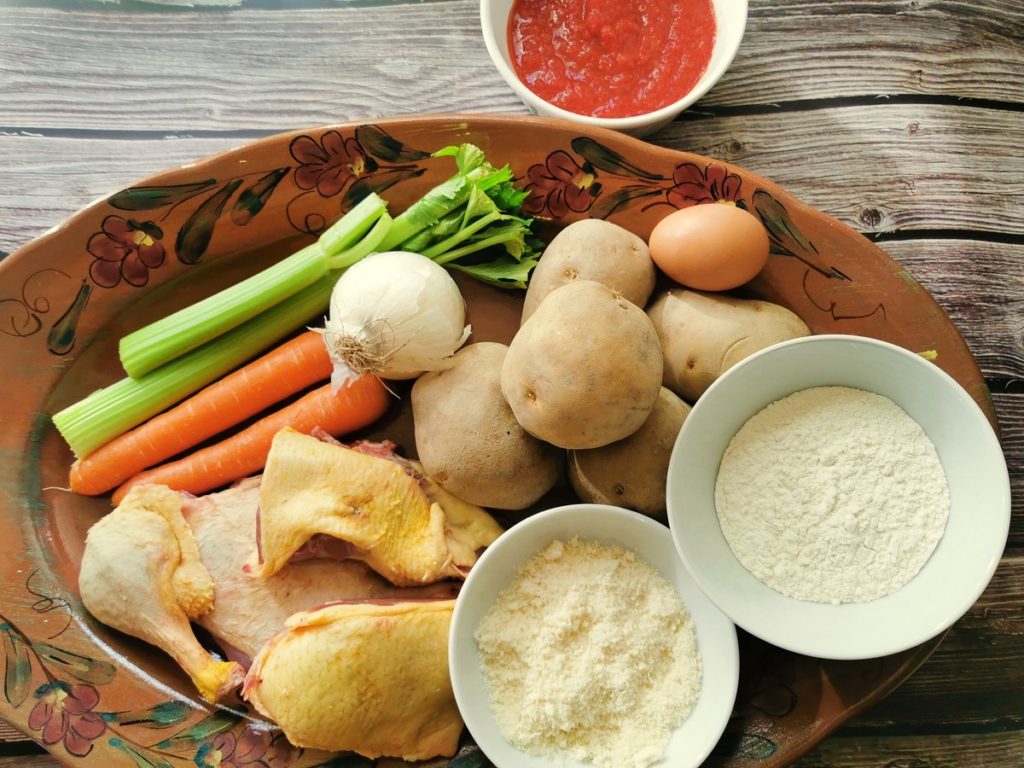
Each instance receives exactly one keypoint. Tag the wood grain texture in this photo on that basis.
(922, 751)
(813, 49)
(880, 168)
(1010, 411)
(29, 761)
(852, 105)
(974, 681)
(10, 733)
(874, 168)
(980, 285)
(279, 70)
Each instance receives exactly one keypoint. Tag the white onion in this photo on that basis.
(394, 314)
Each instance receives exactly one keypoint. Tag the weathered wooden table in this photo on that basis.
(902, 118)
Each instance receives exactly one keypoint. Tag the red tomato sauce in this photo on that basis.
(611, 58)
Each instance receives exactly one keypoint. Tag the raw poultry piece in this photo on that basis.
(376, 506)
(248, 612)
(369, 678)
(141, 574)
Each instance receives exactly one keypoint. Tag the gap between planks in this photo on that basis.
(884, 168)
(253, 68)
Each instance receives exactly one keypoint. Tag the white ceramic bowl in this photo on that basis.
(716, 636)
(949, 582)
(730, 16)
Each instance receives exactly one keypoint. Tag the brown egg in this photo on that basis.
(711, 247)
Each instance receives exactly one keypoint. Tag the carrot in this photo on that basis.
(267, 380)
(356, 405)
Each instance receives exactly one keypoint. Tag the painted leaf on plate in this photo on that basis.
(383, 146)
(61, 338)
(151, 198)
(163, 715)
(195, 234)
(218, 722)
(619, 199)
(378, 182)
(252, 199)
(75, 665)
(600, 156)
(17, 666)
(141, 757)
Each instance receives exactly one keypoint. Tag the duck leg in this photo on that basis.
(141, 574)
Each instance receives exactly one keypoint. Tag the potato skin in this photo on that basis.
(593, 249)
(702, 335)
(632, 472)
(585, 369)
(469, 442)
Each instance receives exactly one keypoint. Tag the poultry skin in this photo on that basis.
(366, 678)
(373, 504)
(142, 574)
(248, 612)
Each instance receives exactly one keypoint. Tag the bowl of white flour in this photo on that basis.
(839, 497)
(578, 639)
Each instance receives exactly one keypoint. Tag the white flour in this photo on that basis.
(832, 495)
(589, 653)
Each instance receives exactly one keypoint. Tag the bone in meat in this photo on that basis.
(248, 612)
(141, 574)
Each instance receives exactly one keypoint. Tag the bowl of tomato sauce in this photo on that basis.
(631, 66)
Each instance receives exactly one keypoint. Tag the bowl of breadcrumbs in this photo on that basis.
(578, 639)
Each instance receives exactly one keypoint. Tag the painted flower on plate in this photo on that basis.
(560, 185)
(125, 249)
(693, 186)
(64, 713)
(328, 165)
(255, 748)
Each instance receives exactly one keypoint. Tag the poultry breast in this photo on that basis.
(346, 654)
(367, 678)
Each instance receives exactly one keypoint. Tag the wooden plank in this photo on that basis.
(997, 750)
(29, 761)
(974, 681)
(796, 50)
(9, 733)
(884, 167)
(47, 179)
(980, 285)
(958, 169)
(246, 68)
(1010, 411)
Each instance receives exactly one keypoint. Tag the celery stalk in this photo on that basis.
(364, 247)
(477, 209)
(115, 409)
(509, 236)
(442, 200)
(150, 347)
(157, 343)
(354, 225)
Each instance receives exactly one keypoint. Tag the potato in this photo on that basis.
(702, 335)
(585, 369)
(593, 249)
(468, 440)
(632, 473)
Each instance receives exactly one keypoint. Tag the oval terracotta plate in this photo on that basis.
(96, 697)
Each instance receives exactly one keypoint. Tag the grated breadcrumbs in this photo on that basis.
(590, 654)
